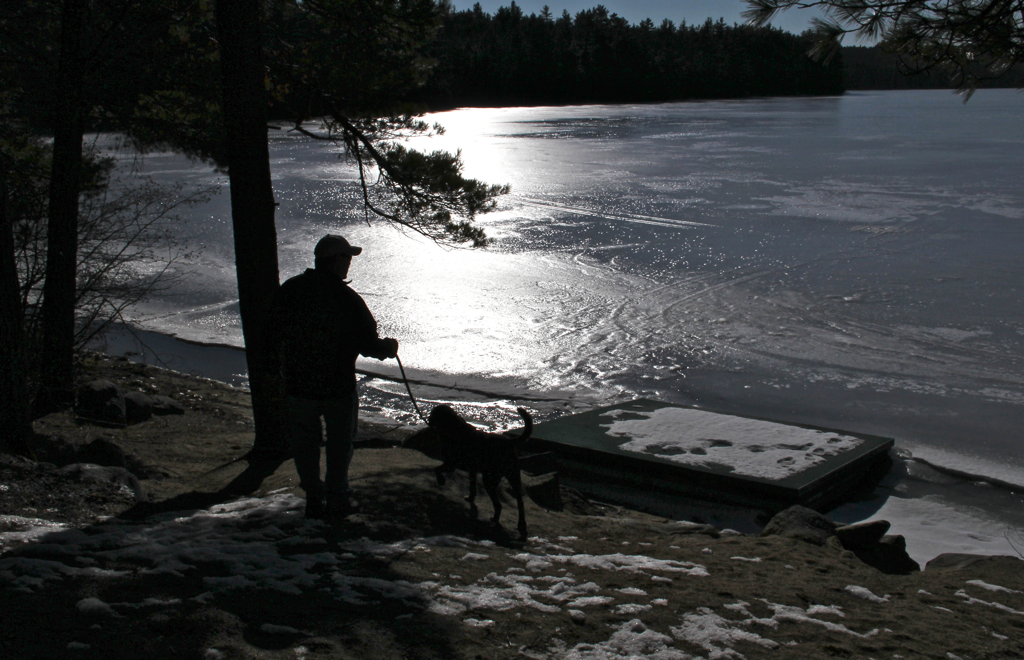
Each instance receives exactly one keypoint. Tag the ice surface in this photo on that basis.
(817, 260)
(933, 526)
(750, 447)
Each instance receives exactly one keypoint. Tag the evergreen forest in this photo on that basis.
(509, 58)
(873, 68)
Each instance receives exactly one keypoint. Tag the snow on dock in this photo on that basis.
(678, 450)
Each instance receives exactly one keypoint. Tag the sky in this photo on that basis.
(634, 11)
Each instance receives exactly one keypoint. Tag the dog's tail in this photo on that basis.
(527, 427)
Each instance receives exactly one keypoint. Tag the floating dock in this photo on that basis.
(657, 450)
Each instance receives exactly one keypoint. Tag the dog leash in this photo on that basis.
(405, 379)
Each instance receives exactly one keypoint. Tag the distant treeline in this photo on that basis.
(597, 57)
(873, 68)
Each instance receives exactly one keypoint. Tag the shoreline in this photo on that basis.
(920, 497)
(201, 570)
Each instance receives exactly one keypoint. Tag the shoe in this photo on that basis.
(342, 508)
(315, 507)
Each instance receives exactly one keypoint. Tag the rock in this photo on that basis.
(165, 405)
(834, 543)
(960, 561)
(894, 540)
(579, 504)
(955, 560)
(138, 407)
(101, 401)
(799, 522)
(868, 541)
(118, 475)
(544, 490)
(102, 451)
(55, 449)
(888, 555)
(684, 527)
(862, 534)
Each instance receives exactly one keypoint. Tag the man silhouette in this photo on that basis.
(322, 326)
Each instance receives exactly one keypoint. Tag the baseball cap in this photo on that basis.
(333, 245)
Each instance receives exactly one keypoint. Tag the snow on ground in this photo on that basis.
(861, 592)
(751, 447)
(266, 543)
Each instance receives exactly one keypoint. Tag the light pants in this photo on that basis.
(340, 417)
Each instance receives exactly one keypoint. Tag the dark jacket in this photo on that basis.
(322, 326)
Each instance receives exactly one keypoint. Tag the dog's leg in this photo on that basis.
(515, 480)
(491, 482)
(472, 486)
(471, 498)
(439, 472)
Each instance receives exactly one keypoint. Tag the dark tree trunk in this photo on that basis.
(56, 378)
(252, 210)
(15, 427)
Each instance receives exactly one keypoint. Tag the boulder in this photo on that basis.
(954, 560)
(799, 522)
(544, 490)
(888, 555)
(683, 527)
(165, 405)
(960, 560)
(862, 534)
(118, 475)
(101, 401)
(102, 451)
(138, 407)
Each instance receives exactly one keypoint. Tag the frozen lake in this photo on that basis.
(849, 262)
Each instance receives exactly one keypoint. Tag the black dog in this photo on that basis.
(461, 446)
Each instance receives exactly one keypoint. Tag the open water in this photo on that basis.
(850, 262)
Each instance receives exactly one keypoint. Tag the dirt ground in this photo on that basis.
(430, 582)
